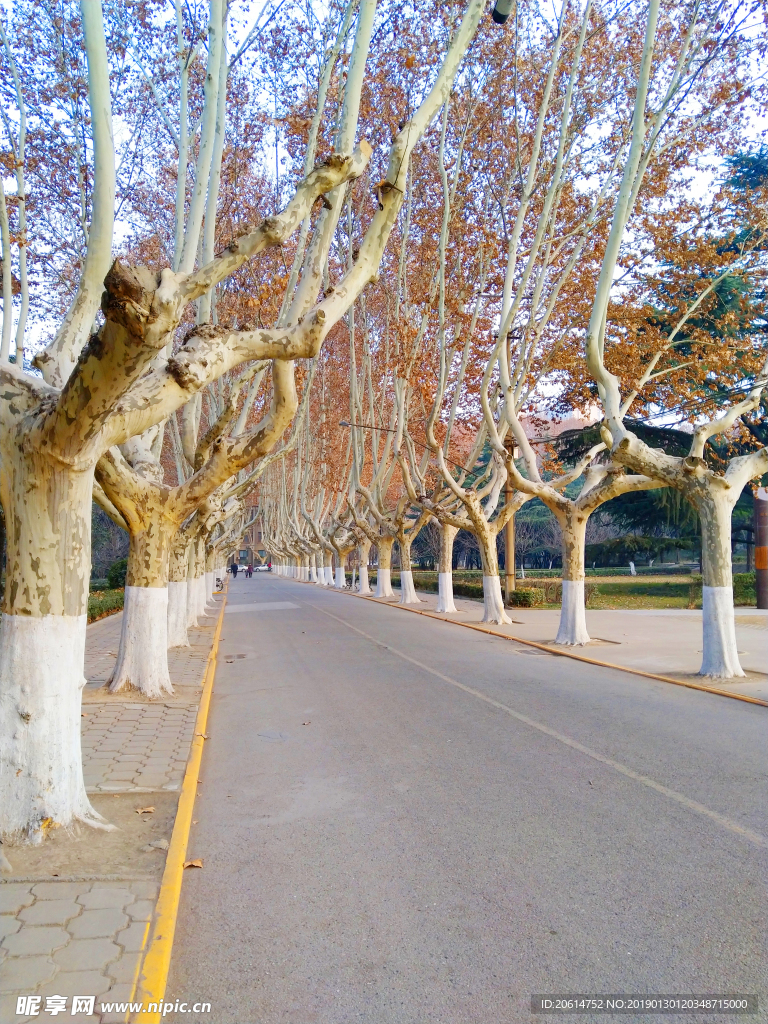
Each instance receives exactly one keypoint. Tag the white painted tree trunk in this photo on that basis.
(328, 568)
(384, 571)
(572, 630)
(313, 569)
(191, 603)
(41, 674)
(365, 585)
(493, 603)
(720, 655)
(341, 577)
(445, 602)
(142, 658)
(177, 614)
(210, 578)
(407, 589)
(720, 658)
(200, 596)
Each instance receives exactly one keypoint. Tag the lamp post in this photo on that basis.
(761, 546)
(502, 10)
(509, 529)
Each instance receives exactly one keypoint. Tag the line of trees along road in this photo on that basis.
(329, 270)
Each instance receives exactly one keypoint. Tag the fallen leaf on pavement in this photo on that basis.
(145, 810)
(193, 863)
(204, 735)
(306, 723)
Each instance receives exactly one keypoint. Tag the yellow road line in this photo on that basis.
(689, 684)
(157, 959)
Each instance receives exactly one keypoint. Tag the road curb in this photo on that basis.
(558, 652)
(153, 977)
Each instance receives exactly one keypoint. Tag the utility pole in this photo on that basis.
(761, 546)
(509, 532)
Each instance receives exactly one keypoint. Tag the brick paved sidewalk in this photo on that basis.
(82, 934)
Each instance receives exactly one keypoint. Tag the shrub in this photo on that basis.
(105, 602)
(744, 588)
(116, 574)
(526, 598)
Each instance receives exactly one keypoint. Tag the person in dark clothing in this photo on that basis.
(234, 570)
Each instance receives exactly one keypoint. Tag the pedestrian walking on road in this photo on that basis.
(249, 571)
(234, 570)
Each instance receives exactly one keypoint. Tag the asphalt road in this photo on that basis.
(404, 821)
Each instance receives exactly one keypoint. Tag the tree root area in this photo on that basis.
(84, 852)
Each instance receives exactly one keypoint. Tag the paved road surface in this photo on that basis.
(405, 821)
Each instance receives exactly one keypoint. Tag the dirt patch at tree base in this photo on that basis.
(85, 852)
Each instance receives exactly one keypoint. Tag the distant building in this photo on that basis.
(252, 550)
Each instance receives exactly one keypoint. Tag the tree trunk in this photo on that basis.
(445, 602)
(720, 658)
(572, 631)
(493, 602)
(42, 642)
(193, 586)
(177, 596)
(313, 568)
(364, 549)
(384, 572)
(328, 568)
(210, 574)
(407, 589)
(341, 578)
(142, 658)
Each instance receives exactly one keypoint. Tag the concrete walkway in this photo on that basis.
(406, 822)
(75, 912)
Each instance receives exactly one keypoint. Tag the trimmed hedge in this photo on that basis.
(104, 602)
(527, 593)
(744, 589)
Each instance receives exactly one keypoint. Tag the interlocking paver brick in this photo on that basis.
(86, 954)
(14, 896)
(77, 983)
(141, 910)
(132, 938)
(8, 1010)
(124, 971)
(143, 889)
(50, 912)
(103, 897)
(59, 890)
(118, 994)
(151, 781)
(9, 924)
(25, 973)
(95, 924)
(36, 941)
